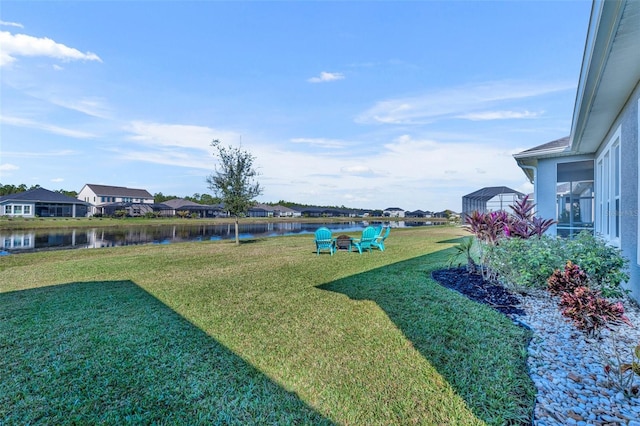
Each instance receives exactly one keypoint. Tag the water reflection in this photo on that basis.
(38, 240)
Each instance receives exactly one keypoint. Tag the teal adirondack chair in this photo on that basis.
(378, 242)
(364, 243)
(324, 241)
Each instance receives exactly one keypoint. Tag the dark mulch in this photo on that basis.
(475, 288)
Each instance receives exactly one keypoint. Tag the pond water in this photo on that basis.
(13, 242)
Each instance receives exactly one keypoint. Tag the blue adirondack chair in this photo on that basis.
(324, 241)
(378, 242)
(364, 243)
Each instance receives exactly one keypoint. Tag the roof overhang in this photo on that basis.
(528, 160)
(610, 71)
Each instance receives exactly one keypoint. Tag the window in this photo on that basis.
(608, 194)
(17, 209)
(574, 197)
(27, 210)
(7, 209)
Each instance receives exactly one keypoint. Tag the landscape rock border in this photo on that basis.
(565, 366)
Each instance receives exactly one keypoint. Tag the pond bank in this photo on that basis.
(99, 222)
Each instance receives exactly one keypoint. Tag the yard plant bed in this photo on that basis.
(479, 290)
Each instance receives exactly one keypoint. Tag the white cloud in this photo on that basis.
(178, 135)
(359, 170)
(93, 107)
(454, 102)
(11, 24)
(412, 172)
(168, 157)
(15, 45)
(17, 154)
(326, 76)
(320, 142)
(57, 180)
(499, 115)
(6, 167)
(24, 122)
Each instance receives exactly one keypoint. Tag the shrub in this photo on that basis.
(568, 280)
(590, 312)
(492, 229)
(522, 264)
(604, 264)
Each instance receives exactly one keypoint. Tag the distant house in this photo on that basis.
(591, 179)
(393, 212)
(193, 208)
(311, 211)
(135, 209)
(100, 196)
(41, 202)
(260, 210)
(490, 199)
(416, 213)
(282, 211)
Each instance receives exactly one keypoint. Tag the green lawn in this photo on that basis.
(262, 333)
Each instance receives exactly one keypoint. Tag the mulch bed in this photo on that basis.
(475, 288)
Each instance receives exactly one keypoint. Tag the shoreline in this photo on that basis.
(10, 224)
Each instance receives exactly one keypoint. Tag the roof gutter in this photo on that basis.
(597, 48)
(534, 180)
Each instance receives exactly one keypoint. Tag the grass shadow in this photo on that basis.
(454, 240)
(111, 353)
(470, 345)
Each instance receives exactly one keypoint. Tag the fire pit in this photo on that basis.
(343, 242)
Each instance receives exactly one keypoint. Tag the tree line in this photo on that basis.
(16, 189)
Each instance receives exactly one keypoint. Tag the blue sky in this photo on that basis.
(368, 104)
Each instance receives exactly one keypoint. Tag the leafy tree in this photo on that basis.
(209, 200)
(159, 197)
(12, 189)
(233, 180)
(72, 194)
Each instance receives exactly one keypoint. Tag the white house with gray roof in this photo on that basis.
(393, 212)
(101, 195)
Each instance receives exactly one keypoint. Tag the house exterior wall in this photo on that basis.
(627, 123)
(86, 194)
(18, 209)
(546, 186)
